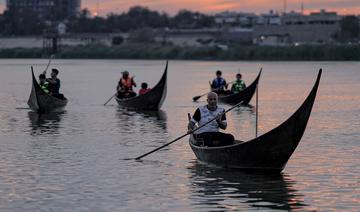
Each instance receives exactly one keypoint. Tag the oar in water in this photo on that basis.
(190, 132)
(195, 98)
(109, 99)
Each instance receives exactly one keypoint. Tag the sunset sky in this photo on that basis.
(212, 6)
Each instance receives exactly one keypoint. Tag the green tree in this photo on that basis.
(349, 29)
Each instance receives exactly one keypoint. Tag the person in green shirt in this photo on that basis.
(43, 84)
(238, 85)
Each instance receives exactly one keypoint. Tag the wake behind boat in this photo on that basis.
(152, 100)
(270, 151)
(41, 102)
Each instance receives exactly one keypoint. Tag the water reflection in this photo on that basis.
(232, 189)
(129, 118)
(48, 123)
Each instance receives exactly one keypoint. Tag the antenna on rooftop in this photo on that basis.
(285, 4)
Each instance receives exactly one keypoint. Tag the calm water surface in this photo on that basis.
(76, 160)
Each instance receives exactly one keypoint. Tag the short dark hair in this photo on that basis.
(218, 72)
(55, 71)
(144, 85)
(42, 76)
(238, 74)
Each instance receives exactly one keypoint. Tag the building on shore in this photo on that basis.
(296, 28)
(62, 9)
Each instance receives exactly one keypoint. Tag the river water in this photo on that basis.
(76, 160)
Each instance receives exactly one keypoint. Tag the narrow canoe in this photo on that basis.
(244, 95)
(151, 100)
(268, 152)
(41, 102)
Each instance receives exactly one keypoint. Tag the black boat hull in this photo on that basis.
(41, 102)
(151, 100)
(270, 151)
(244, 95)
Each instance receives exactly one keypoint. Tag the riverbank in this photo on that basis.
(235, 52)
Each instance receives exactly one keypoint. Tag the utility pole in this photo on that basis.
(285, 5)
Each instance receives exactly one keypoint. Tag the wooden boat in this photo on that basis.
(42, 102)
(151, 100)
(244, 95)
(270, 151)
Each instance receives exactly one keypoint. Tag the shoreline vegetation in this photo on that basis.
(159, 51)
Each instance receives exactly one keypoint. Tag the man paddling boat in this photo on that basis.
(210, 133)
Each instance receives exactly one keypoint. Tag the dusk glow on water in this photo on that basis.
(76, 160)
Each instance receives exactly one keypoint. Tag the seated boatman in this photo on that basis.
(210, 133)
(125, 86)
(54, 84)
(238, 85)
(43, 84)
(144, 88)
(219, 84)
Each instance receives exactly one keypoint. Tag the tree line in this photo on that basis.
(27, 22)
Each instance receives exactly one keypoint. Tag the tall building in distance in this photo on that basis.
(46, 9)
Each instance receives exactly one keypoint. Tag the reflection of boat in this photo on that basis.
(131, 118)
(42, 102)
(270, 151)
(244, 95)
(151, 100)
(47, 123)
(221, 188)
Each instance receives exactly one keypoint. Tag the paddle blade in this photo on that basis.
(195, 98)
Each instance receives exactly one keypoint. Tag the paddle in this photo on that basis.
(110, 99)
(189, 132)
(51, 57)
(195, 98)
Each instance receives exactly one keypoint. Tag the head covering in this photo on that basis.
(125, 72)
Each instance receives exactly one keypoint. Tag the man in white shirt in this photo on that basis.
(210, 133)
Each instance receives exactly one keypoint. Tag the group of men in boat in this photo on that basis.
(126, 84)
(51, 85)
(209, 135)
(219, 84)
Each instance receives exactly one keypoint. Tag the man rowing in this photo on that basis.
(210, 133)
(125, 86)
(219, 84)
(54, 84)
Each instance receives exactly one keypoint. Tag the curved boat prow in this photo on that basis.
(268, 152)
(245, 95)
(42, 102)
(33, 99)
(151, 100)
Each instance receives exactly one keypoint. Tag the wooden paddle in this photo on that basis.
(110, 99)
(188, 133)
(51, 57)
(195, 98)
